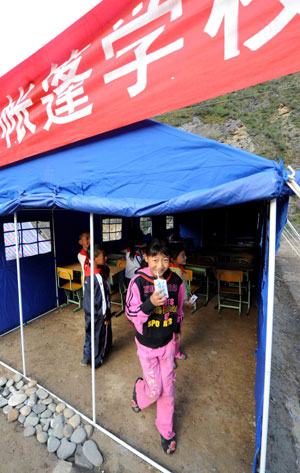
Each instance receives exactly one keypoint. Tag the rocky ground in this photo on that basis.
(221, 438)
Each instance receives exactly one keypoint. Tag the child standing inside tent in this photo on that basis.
(134, 254)
(102, 313)
(84, 242)
(154, 315)
(178, 260)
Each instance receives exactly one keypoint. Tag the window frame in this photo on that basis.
(108, 221)
(29, 239)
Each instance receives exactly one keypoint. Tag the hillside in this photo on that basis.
(263, 119)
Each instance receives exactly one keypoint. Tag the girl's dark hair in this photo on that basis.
(175, 249)
(136, 239)
(157, 245)
(97, 250)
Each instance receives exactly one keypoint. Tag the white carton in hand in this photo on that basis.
(161, 284)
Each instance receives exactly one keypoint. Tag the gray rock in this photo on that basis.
(52, 407)
(60, 407)
(12, 389)
(46, 414)
(46, 401)
(20, 384)
(3, 401)
(32, 399)
(29, 431)
(59, 419)
(32, 420)
(6, 409)
(46, 425)
(30, 391)
(9, 383)
(38, 408)
(81, 460)
(13, 415)
(52, 444)
(89, 430)
(19, 406)
(74, 421)
(91, 452)
(3, 381)
(41, 394)
(25, 411)
(5, 392)
(68, 431)
(66, 449)
(68, 413)
(79, 435)
(21, 419)
(38, 428)
(58, 431)
(16, 399)
(42, 437)
(17, 377)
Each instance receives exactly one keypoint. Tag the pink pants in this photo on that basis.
(158, 384)
(177, 344)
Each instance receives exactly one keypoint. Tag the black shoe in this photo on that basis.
(169, 446)
(134, 403)
(84, 362)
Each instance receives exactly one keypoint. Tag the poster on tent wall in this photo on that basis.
(128, 60)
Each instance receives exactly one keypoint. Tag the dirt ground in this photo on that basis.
(214, 414)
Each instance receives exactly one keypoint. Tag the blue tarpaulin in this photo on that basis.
(142, 169)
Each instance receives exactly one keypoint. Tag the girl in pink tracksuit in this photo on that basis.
(155, 319)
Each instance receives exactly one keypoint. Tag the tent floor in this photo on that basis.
(214, 413)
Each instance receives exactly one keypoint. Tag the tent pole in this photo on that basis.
(20, 293)
(269, 331)
(54, 254)
(92, 315)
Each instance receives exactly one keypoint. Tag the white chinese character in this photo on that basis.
(16, 110)
(291, 9)
(140, 47)
(229, 11)
(68, 87)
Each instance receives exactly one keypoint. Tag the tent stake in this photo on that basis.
(97, 426)
(20, 294)
(269, 331)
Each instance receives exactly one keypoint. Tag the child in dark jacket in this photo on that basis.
(154, 316)
(102, 313)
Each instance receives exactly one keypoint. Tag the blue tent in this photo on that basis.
(140, 170)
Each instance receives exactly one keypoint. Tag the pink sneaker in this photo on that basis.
(181, 356)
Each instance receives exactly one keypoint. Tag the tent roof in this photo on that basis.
(143, 169)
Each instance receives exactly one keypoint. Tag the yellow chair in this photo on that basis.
(73, 290)
(121, 263)
(229, 284)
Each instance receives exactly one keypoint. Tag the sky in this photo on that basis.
(27, 25)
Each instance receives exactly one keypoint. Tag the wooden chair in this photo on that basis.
(73, 290)
(229, 285)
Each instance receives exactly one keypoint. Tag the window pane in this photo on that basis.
(45, 247)
(29, 236)
(30, 250)
(9, 238)
(169, 222)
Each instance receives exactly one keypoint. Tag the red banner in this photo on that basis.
(125, 61)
